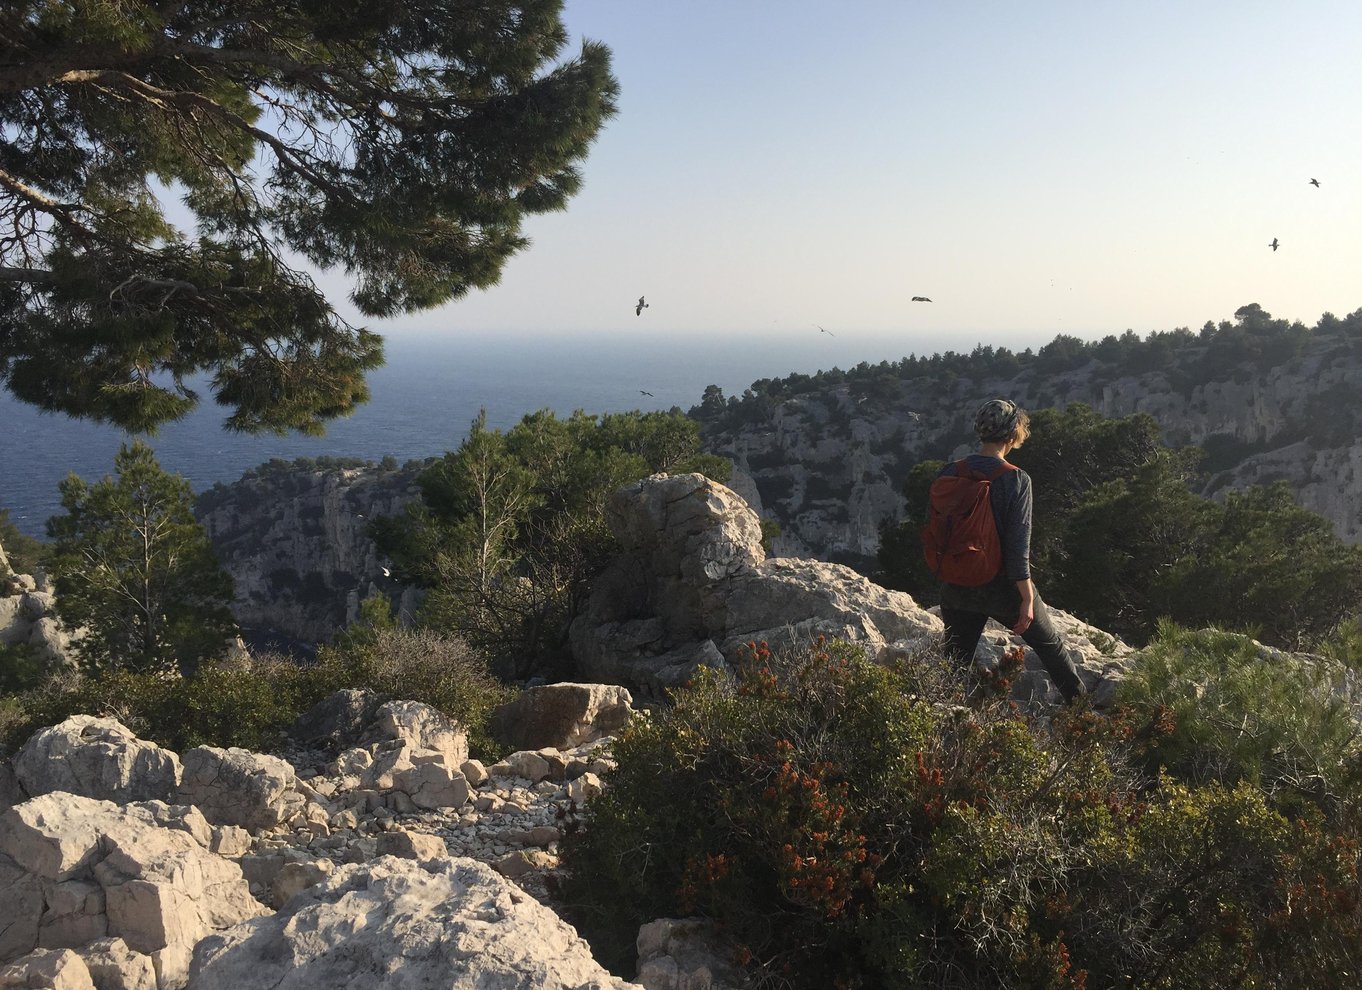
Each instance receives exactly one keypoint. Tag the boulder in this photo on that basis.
(684, 954)
(444, 923)
(237, 787)
(432, 785)
(296, 877)
(77, 870)
(562, 716)
(47, 969)
(114, 966)
(96, 758)
(420, 726)
(525, 764)
(337, 721)
(692, 587)
(411, 845)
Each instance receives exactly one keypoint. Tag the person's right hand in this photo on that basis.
(1025, 617)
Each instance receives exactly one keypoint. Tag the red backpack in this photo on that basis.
(960, 540)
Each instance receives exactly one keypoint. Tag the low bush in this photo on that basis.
(1219, 707)
(417, 665)
(251, 702)
(843, 827)
(850, 825)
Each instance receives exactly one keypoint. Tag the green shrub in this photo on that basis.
(842, 826)
(1219, 707)
(21, 667)
(251, 702)
(424, 665)
(850, 825)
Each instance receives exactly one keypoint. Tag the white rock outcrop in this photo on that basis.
(96, 758)
(74, 870)
(400, 923)
(684, 954)
(237, 787)
(693, 586)
(28, 617)
(419, 726)
(562, 715)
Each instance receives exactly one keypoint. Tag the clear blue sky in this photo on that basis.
(1075, 167)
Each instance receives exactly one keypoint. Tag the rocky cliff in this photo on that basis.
(293, 535)
(826, 457)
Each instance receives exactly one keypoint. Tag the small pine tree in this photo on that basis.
(137, 571)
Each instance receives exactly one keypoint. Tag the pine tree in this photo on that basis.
(402, 141)
(136, 569)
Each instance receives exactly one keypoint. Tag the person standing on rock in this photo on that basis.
(1010, 596)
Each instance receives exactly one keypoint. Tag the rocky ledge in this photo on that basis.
(371, 850)
(693, 585)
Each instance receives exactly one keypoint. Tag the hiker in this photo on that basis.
(1009, 596)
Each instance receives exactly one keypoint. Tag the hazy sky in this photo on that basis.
(1076, 167)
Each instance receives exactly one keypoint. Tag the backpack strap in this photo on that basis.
(963, 470)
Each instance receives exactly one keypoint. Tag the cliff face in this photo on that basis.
(828, 464)
(294, 538)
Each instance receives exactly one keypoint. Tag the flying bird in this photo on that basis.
(386, 572)
(1273, 245)
(644, 392)
(921, 299)
(638, 310)
(828, 332)
(1315, 183)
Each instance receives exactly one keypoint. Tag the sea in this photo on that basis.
(424, 398)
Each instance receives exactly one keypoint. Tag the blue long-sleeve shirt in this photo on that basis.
(1010, 495)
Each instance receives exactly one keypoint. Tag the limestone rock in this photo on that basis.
(237, 787)
(656, 614)
(562, 715)
(21, 893)
(582, 789)
(531, 766)
(96, 758)
(693, 585)
(57, 969)
(136, 871)
(28, 617)
(411, 845)
(420, 726)
(337, 721)
(446, 923)
(295, 540)
(295, 877)
(684, 954)
(521, 862)
(432, 785)
(114, 966)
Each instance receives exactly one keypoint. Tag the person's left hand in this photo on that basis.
(1024, 618)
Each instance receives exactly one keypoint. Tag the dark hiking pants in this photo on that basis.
(966, 611)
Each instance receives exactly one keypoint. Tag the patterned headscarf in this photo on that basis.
(996, 419)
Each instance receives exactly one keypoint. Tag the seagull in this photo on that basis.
(638, 310)
(828, 332)
(921, 299)
(644, 392)
(1273, 245)
(1315, 183)
(386, 572)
